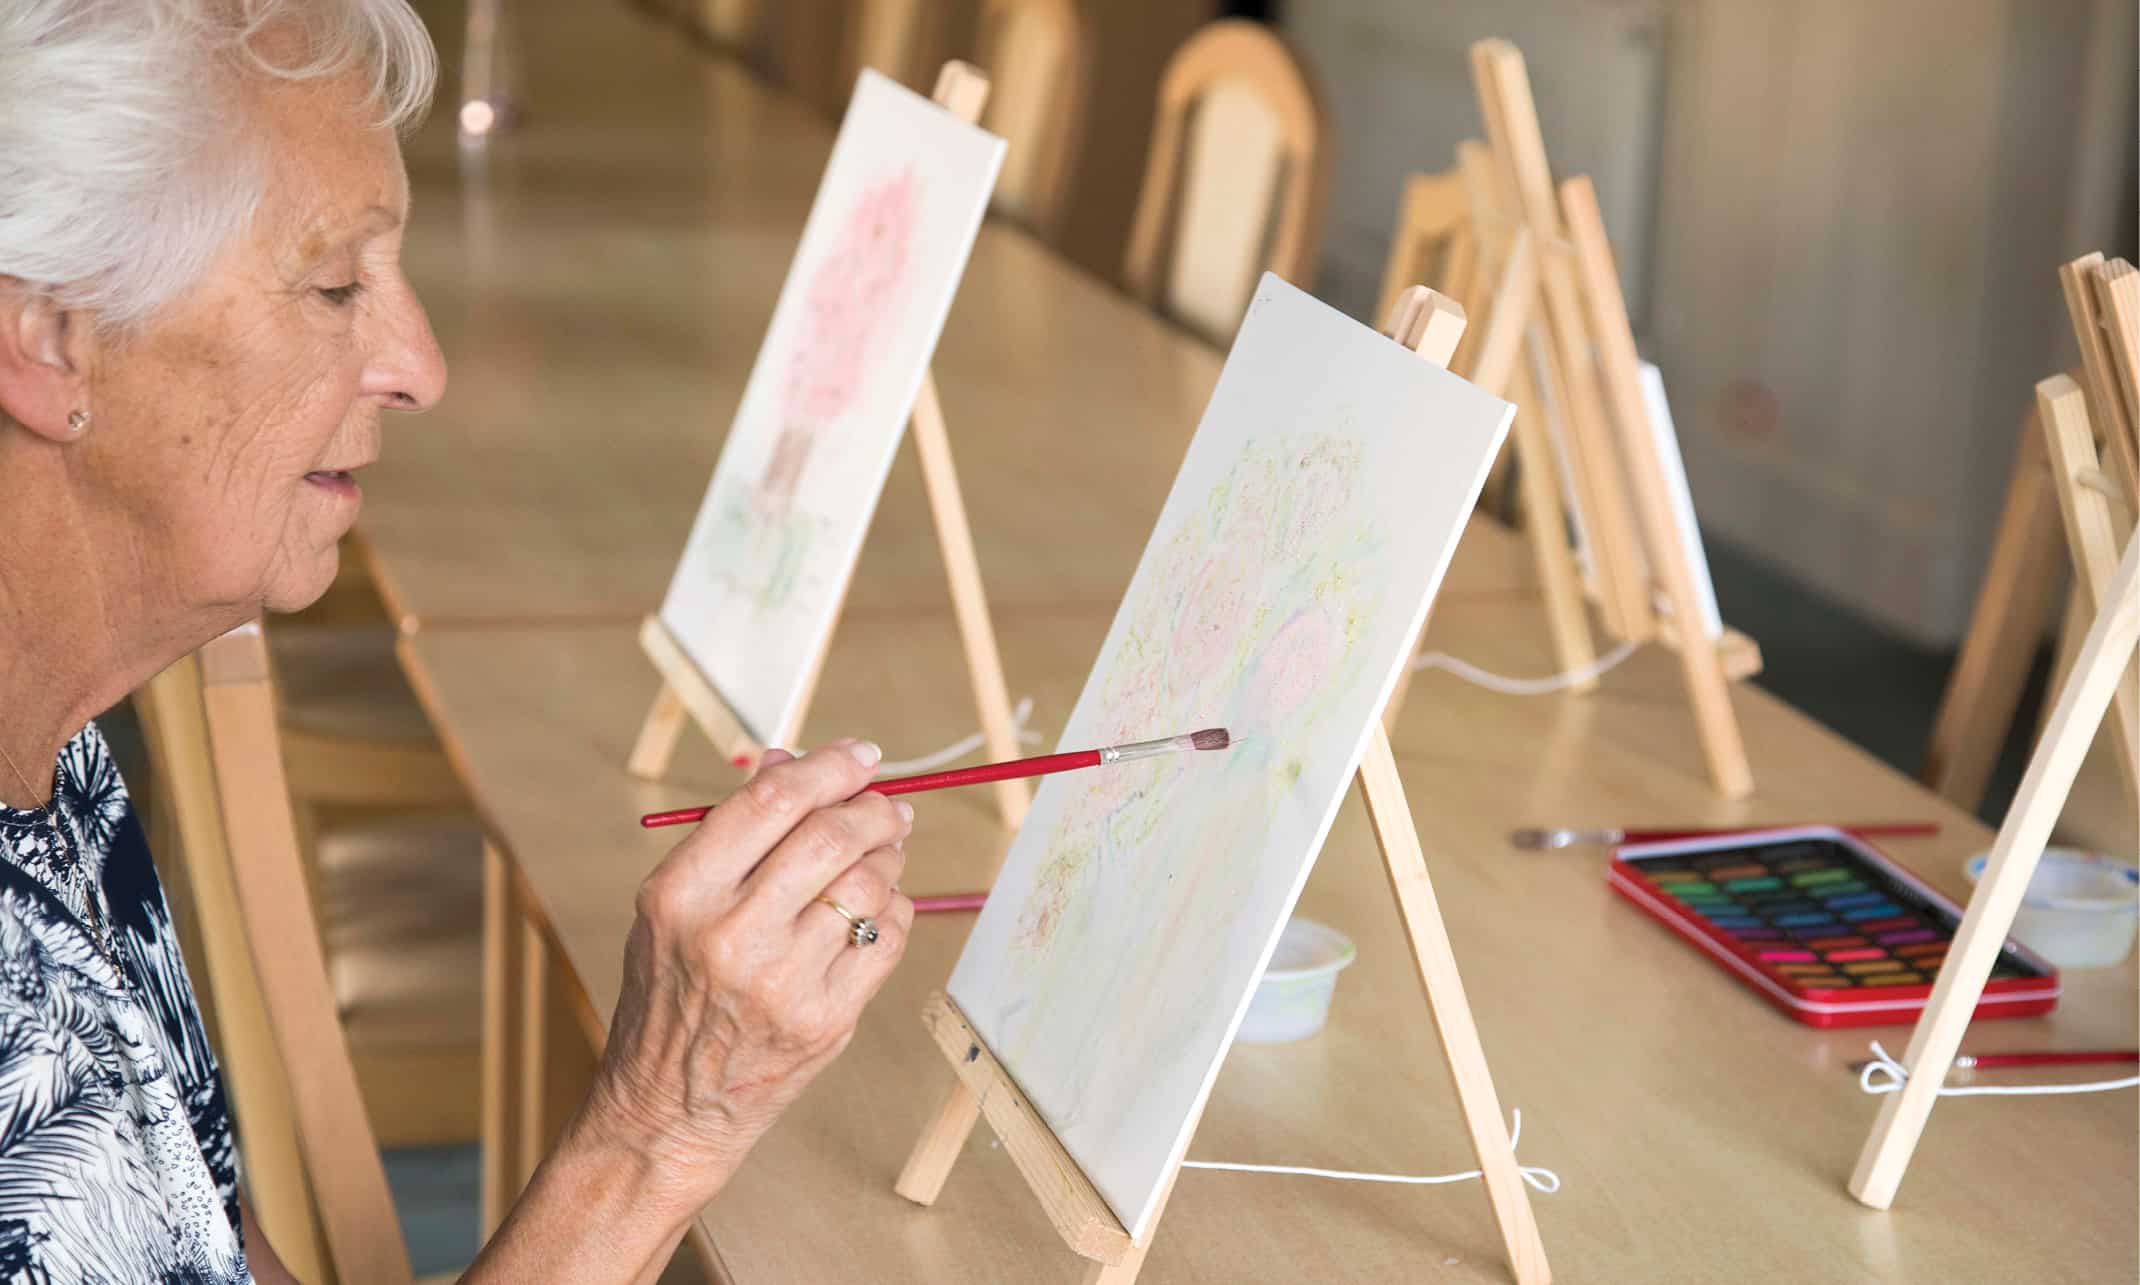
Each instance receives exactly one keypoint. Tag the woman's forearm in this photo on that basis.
(601, 1209)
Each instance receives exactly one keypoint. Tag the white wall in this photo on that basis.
(1839, 223)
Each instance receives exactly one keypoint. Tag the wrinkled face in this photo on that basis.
(228, 429)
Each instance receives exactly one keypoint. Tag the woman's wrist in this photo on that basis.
(604, 1206)
(647, 1155)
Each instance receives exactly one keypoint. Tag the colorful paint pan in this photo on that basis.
(1819, 924)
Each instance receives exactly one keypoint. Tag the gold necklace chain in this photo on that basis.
(70, 838)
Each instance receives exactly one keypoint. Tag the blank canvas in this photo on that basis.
(758, 591)
(1289, 573)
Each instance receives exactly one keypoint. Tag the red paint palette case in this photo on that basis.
(1819, 924)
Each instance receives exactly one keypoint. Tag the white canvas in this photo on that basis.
(1666, 438)
(758, 590)
(1279, 596)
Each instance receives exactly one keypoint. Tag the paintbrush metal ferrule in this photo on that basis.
(1208, 739)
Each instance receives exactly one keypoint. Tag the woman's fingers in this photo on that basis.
(826, 843)
(777, 799)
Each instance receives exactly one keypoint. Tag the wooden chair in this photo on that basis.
(393, 854)
(1035, 53)
(1432, 244)
(1436, 244)
(1235, 180)
(312, 1166)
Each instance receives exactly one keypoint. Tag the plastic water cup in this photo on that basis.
(2080, 909)
(1293, 1000)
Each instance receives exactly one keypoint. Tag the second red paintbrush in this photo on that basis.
(1211, 738)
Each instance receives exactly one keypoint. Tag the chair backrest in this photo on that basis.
(1035, 53)
(1235, 180)
(313, 1167)
(1433, 244)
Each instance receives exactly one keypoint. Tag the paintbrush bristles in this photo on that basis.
(1211, 738)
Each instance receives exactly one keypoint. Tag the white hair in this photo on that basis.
(123, 173)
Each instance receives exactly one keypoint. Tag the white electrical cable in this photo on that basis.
(1471, 673)
(1537, 1177)
(962, 747)
(1885, 1075)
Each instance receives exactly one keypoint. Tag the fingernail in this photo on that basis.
(906, 809)
(866, 753)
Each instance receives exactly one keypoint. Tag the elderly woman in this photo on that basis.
(203, 322)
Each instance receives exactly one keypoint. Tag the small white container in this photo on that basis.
(1292, 1001)
(2080, 909)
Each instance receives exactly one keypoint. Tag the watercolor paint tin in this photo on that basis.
(1819, 924)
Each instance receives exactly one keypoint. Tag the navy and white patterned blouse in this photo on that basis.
(117, 1161)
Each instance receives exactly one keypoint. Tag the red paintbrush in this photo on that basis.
(1211, 738)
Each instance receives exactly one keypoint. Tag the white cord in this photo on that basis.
(1538, 1178)
(1885, 1075)
(1471, 673)
(960, 748)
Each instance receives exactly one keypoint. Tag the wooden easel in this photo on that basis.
(1546, 249)
(2105, 657)
(1430, 324)
(2079, 471)
(686, 694)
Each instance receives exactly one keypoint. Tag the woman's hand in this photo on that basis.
(739, 986)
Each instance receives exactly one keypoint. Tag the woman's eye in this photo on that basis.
(340, 296)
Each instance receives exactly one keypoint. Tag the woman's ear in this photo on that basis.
(44, 351)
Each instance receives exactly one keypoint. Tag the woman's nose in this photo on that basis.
(408, 369)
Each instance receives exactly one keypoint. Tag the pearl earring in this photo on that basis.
(77, 421)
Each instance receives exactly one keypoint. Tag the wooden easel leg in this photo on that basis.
(2095, 529)
(2012, 609)
(929, 1164)
(984, 663)
(658, 735)
(1672, 562)
(2072, 628)
(2074, 719)
(1546, 528)
(501, 1014)
(1391, 817)
(1501, 369)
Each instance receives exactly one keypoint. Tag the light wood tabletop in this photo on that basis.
(600, 285)
(1700, 1134)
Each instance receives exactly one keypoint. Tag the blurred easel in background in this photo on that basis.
(1596, 480)
(2077, 467)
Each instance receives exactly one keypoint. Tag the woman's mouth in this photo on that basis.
(342, 482)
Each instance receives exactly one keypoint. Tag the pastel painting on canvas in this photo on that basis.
(1293, 564)
(755, 597)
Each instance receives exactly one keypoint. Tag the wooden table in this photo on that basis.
(1701, 1135)
(601, 294)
